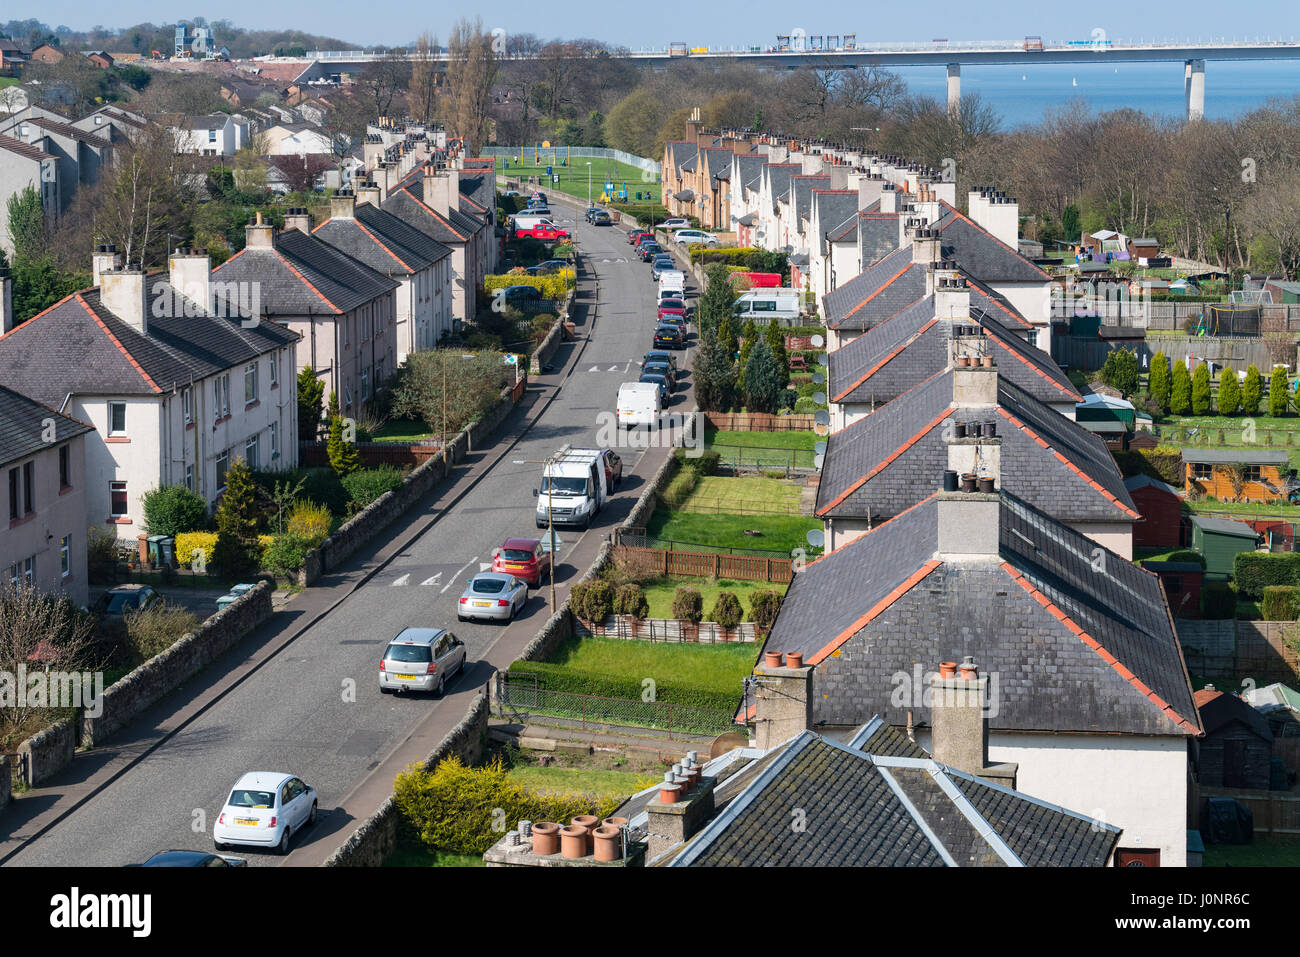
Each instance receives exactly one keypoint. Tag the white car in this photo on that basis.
(492, 595)
(265, 809)
(687, 236)
(676, 222)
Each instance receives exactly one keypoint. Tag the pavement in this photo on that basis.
(300, 693)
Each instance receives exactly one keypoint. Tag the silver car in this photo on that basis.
(421, 659)
(492, 595)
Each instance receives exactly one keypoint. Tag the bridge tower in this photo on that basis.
(1194, 89)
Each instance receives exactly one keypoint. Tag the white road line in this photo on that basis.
(457, 575)
(403, 580)
(484, 566)
(433, 580)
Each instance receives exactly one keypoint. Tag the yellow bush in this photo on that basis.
(553, 286)
(309, 521)
(187, 543)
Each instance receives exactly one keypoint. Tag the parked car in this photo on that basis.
(634, 234)
(613, 469)
(687, 236)
(669, 336)
(661, 382)
(642, 239)
(678, 322)
(648, 250)
(659, 264)
(671, 307)
(669, 292)
(522, 557)
(116, 602)
(590, 211)
(548, 267)
(666, 358)
(512, 192)
(522, 294)
(601, 218)
(265, 809)
(492, 595)
(421, 659)
(661, 369)
(192, 859)
(676, 222)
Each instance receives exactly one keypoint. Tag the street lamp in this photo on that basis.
(550, 522)
(589, 182)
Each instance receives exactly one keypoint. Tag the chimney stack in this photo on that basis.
(782, 699)
(6, 301)
(441, 189)
(341, 204)
(888, 198)
(103, 259)
(925, 246)
(298, 218)
(121, 292)
(367, 192)
(959, 734)
(951, 294)
(190, 275)
(258, 234)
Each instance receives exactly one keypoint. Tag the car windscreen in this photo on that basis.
(241, 797)
(516, 555)
(667, 332)
(420, 653)
(671, 304)
(560, 485)
(121, 602)
(657, 368)
(488, 586)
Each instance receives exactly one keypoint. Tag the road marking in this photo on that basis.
(484, 566)
(457, 575)
(594, 369)
(612, 369)
(403, 580)
(433, 580)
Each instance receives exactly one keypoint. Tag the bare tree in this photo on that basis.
(423, 97)
(472, 70)
(38, 631)
(384, 81)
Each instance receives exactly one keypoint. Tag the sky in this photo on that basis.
(720, 24)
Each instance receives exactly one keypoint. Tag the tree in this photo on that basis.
(384, 81)
(472, 69)
(173, 510)
(1158, 381)
(445, 390)
(1277, 389)
(423, 97)
(719, 298)
(300, 172)
(1121, 371)
(776, 342)
(748, 336)
(235, 554)
(311, 389)
(38, 630)
(1180, 390)
(26, 217)
(1201, 390)
(1229, 393)
(39, 284)
(762, 379)
(727, 334)
(1252, 390)
(1070, 224)
(342, 453)
(145, 196)
(715, 376)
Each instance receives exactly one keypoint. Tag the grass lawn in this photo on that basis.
(1156, 554)
(720, 509)
(573, 177)
(591, 781)
(411, 853)
(1263, 852)
(720, 667)
(1256, 510)
(659, 593)
(8, 81)
(402, 430)
(776, 449)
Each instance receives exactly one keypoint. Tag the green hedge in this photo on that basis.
(1218, 600)
(706, 463)
(553, 677)
(1186, 555)
(1160, 462)
(1280, 603)
(1255, 571)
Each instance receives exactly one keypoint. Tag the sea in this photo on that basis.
(1020, 95)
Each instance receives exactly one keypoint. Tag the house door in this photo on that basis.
(1234, 763)
(1136, 857)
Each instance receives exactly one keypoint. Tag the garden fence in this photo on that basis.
(758, 457)
(636, 537)
(551, 156)
(522, 696)
(707, 564)
(759, 422)
(665, 629)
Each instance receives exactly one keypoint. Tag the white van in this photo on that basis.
(639, 403)
(760, 304)
(673, 279)
(575, 486)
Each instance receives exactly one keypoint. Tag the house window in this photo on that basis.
(13, 575)
(29, 484)
(1252, 473)
(250, 383)
(212, 136)
(65, 556)
(117, 499)
(250, 451)
(275, 371)
(29, 570)
(117, 418)
(223, 463)
(15, 494)
(1201, 472)
(365, 384)
(189, 477)
(187, 405)
(65, 466)
(221, 395)
(275, 440)
(347, 395)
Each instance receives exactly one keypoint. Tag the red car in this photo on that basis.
(636, 235)
(549, 233)
(671, 307)
(523, 558)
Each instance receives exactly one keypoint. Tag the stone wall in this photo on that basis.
(5, 782)
(648, 501)
(376, 837)
(166, 671)
(45, 754)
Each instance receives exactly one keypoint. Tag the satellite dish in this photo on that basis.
(822, 417)
(819, 398)
(821, 360)
(818, 341)
(818, 460)
(820, 429)
(816, 537)
(820, 448)
(818, 378)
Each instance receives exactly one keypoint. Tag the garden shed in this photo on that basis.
(1237, 749)
(1221, 541)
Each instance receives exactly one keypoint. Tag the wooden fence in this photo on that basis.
(707, 564)
(405, 455)
(665, 629)
(1275, 812)
(759, 422)
(1239, 649)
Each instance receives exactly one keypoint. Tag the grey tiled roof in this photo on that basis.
(834, 207)
(801, 190)
(888, 359)
(382, 241)
(408, 205)
(886, 601)
(864, 809)
(1142, 481)
(23, 149)
(1027, 366)
(877, 235)
(746, 168)
(1236, 456)
(22, 427)
(877, 293)
(778, 175)
(980, 254)
(987, 300)
(78, 346)
(1224, 526)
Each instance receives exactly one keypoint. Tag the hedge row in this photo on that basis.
(553, 677)
(1161, 463)
(1255, 571)
(553, 286)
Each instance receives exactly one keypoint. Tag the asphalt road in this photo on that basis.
(294, 713)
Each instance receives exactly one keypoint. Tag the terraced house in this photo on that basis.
(175, 386)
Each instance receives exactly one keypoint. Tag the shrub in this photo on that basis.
(1255, 571)
(342, 453)
(631, 600)
(805, 405)
(1162, 462)
(173, 509)
(598, 603)
(1218, 600)
(284, 554)
(1187, 555)
(680, 488)
(1280, 603)
(193, 546)
(309, 522)
(552, 286)
(1201, 390)
(763, 608)
(706, 463)
(578, 595)
(541, 325)
(153, 630)
(557, 677)
(320, 485)
(1277, 392)
(1229, 393)
(726, 610)
(688, 604)
(1158, 381)
(236, 552)
(1252, 390)
(455, 808)
(366, 485)
(1180, 390)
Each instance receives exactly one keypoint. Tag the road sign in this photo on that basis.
(548, 171)
(511, 359)
(609, 187)
(555, 179)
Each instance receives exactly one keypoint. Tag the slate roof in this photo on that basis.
(874, 810)
(382, 241)
(778, 175)
(1143, 481)
(77, 346)
(303, 276)
(22, 427)
(407, 204)
(801, 191)
(1076, 644)
(888, 461)
(68, 130)
(877, 293)
(23, 149)
(833, 208)
(1223, 526)
(980, 254)
(681, 150)
(746, 168)
(1218, 709)
(1236, 456)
